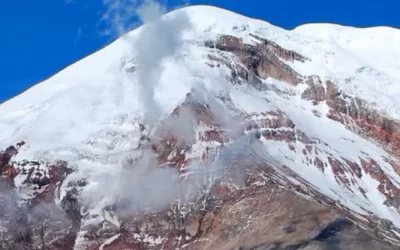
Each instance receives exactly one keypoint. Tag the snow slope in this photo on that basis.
(85, 97)
(89, 113)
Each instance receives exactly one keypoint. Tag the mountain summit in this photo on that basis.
(206, 129)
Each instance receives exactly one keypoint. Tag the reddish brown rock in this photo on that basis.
(352, 110)
(356, 169)
(386, 187)
(47, 224)
(262, 60)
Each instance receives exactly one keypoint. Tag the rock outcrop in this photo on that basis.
(31, 217)
(262, 60)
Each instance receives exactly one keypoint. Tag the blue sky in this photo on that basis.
(39, 38)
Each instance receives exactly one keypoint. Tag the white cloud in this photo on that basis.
(133, 188)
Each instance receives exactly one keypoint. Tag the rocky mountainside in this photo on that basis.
(205, 129)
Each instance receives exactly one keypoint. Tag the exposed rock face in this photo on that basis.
(355, 113)
(35, 220)
(261, 60)
(358, 116)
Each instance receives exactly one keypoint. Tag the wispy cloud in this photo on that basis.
(69, 1)
(121, 16)
(78, 36)
(158, 40)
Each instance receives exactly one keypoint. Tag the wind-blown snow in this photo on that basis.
(89, 113)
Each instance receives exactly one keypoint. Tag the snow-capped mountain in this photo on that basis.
(205, 129)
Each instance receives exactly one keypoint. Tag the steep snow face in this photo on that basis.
(89, 114)
(362, 60)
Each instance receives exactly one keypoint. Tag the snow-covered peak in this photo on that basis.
(87, 97)
(91, 114)
(111, 84)
(344, 53)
